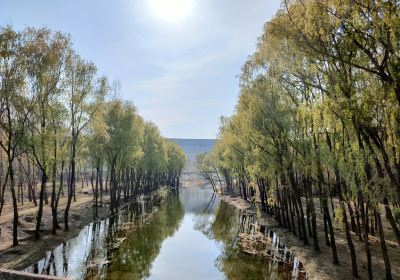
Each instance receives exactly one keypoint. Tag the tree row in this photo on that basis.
(318, 119)
(59, 123)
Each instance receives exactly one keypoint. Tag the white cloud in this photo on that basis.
(194, 61)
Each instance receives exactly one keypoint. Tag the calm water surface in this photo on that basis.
(193, 235)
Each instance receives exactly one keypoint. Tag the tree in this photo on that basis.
(13, 113)
(317, 116)
(45, 54)
(83, 100)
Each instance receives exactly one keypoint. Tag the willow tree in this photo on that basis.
(52, 111)
(13, 104)
(204, 165)
(352, 46)
(45, 52)
(317, 116)
(154, 162)
(83, 99)
(97, 138)
(124, 130)
(176, 161)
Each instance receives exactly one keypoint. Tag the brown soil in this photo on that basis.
(319, 265)
(30, 250)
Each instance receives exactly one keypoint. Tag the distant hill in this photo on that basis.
(193, 147)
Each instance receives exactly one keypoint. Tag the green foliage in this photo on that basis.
(53, 114)
(396, 213)
(319, 99)
(163, 193)
(205, 164)
(339, 215)
(176, 157)
(155, 152)
(123, 133)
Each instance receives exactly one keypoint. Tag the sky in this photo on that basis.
(177, 60)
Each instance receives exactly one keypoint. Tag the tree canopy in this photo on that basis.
(319, 115)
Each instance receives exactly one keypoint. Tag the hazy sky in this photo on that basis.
(177, 60)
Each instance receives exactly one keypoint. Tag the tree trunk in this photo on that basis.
(71, 185)
(41, 200)
(348, 238)
(14, 200)
(53, 190)
(3, 189)
(383, 245)
(313, 220)
(331, 232)
(390, 218)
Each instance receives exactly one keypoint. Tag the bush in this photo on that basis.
(163, 193)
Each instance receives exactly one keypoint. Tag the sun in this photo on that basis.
(172, 11)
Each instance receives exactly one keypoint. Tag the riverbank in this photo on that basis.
(319, 265)
(81, 215)
(30, 250)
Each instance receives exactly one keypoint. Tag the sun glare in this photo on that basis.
(171, 11)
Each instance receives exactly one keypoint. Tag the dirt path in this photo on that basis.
(319, 265)
(30, 208)
(19, 257)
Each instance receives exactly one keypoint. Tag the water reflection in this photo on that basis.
(135, 256)
(89, 254)
(235, 264)
(192, 236)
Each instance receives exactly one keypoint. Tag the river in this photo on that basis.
(192, 235)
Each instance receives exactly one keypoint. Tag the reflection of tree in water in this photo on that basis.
(137, 253)
(228, 223)
(205, 218)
